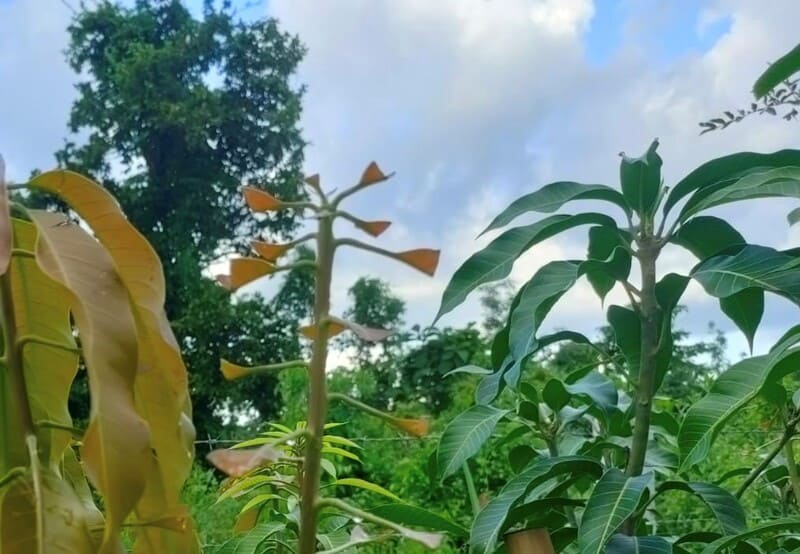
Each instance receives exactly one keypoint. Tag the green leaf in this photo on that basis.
(777, 72)
(250, 542)
(513, 371)
(725, 507)
(727, 169)
(627, 334)
(366, 485)
(724, 543)
(551, 197)
(406, 514)
(641, 180)
(766, 183)
(615, 497)
(520, 456)
(613, 260)
(496, 260)
(470, 369)
(539, 511)
(623, 544)
(705, 236)
(731, 391)
(464, 436)
(794, 216)
(489, 522)
(753, 266)
(555, 395)
(745, 308)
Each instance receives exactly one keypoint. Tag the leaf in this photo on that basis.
(423, 259)
(552, 197)
(162, 396)
(777, 72)
(512, 373)
(270, 252)
(341, 452)
(260, 201)
(753, 266)
(794, 216)
(373, 228)
(597, 388)
(489, 522)
(464, 436)
(772, 182)
(627, 332)
(470, 369)
(615, 498)
(535, 300)
(244, 271)
(607, 246)
(640, 179)
(731, 391)
(116, 445)
(705, 235)
(724, 505)
(623, 544)
(5, 222)
(372, 174)
(250, 542)
(724, 543)
(237, 463)
(366, 485)
(720, 171)
(337, 325)
(415, 427)
(745, 308)
(406, 514)
(496, 260)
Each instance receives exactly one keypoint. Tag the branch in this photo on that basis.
(788, 433)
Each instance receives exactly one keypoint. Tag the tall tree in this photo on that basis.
(178, 111)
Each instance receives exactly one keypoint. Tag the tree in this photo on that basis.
(614, 436)
(177, 112)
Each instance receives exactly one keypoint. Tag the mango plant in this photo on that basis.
(599, 454)
(310, 443)
(87, 290)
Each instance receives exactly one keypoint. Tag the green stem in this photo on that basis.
(788, 433)
(317, 394)
(341, 506)
(791, 468)
(473, 494)
(645, 385)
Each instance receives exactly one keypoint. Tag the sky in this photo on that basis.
(474, 103)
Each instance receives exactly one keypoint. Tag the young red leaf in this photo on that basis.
(424, 259)
(269, 252)
(260, 200)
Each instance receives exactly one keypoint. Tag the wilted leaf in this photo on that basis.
(237, 462)
(260, 200)
(414, 427)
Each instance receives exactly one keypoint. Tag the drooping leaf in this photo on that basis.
(270, 252)
(705, 236)
(552, 197)
(337, 325)
(771, 182)
(623, 544)
(613, 261)
(116, 445)
(726, 508)
(425, 260)
(615, 497)
(727, 169)
(406, 514)
(496, 260)
(641, 180)
(753, 266)
(777, 72)
(161, 381)
(794, 216)
(730, 392)
(724, 543)
(489, 522)
(464, 436)
(366, 485)
(745, 308)
(469, 369)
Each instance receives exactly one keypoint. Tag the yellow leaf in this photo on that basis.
(232, 371)
(245, 271)
(116, 446)
(259, 200)
(5, 221)
(270, 252)
(162, 396)
(423, 259)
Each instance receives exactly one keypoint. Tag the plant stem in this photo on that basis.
(473, 494)
(788, 433)
(645, 384)
(317, 394)
(791, 468)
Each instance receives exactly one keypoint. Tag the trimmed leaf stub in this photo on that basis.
(372, 175)
(268, 251)
(337, 325)
(260, 200)
(244, 271)
(373, 228)
(424, 259)
(236, 463)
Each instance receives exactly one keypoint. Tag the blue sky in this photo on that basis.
(473, 103)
